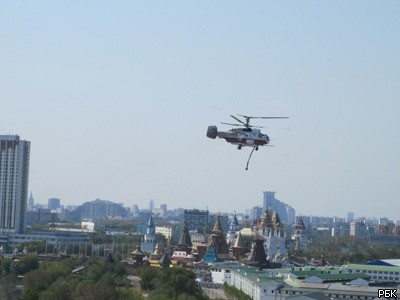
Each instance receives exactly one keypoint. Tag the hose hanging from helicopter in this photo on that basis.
(248, 161)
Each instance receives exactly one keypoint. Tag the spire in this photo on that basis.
(235, 220)
(300, 224)
(276, 221)
(137, 251)
(156, 250)
(246, 223)
(233, 227)
(238, 250)
(31, 202)
(185, 237)
(217, 238)
(151, 223)
(165, 261)
(217, 225)
(258, 256)
(239, 241)
(266, 220)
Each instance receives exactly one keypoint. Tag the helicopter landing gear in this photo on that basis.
(239, 147)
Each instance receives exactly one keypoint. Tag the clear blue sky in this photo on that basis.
(116, 97)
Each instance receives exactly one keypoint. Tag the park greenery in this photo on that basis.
(101, 279)
(170, 283)
(233, 293)
(98, 278)
(103, 276)
(346, 249)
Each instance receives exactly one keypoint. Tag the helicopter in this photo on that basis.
(245, 136)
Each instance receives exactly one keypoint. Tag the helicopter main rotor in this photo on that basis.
(247, 120)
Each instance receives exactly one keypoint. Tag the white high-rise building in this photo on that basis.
(14, 175)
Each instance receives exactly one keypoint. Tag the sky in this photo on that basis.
(116, 98)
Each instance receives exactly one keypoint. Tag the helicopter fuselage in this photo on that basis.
(249, 137)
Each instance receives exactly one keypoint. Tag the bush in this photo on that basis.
(233, 293)
(170, 283)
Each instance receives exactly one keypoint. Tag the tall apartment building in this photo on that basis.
(285, 211)
(53, 203)
(358, 229)
(255, 213)
(14, 175)
(196, 219)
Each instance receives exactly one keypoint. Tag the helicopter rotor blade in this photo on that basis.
(255, 126)
(247, 117)
(240, 121)
(252, 126)
(231, 124)
(270, 117)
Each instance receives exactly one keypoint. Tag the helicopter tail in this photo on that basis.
(212, 132)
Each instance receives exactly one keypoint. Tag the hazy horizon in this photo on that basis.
(116, 100)
(157, 205)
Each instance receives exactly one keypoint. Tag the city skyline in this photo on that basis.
(116, 100)
(247, 212)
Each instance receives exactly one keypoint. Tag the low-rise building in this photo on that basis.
(381, 271)
(289, 283)
(59, 239)
(165, 231)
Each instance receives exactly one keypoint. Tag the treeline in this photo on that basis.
(343, 250)
(100, 278)
(234, 294)
(170, 283)
(55, 280)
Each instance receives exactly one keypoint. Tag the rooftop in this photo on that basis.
(365, 267)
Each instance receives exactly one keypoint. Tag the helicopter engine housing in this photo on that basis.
(212, 132)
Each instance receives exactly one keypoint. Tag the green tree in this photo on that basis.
(161, 240)
(37, 281)
(33, 246)
(233, 293)
(6, 266)
(62, 289)
(26, 264)
(8, 290)
(170, 283)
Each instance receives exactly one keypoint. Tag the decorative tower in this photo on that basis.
(149, 240)
(31, 202)
(299, 236)
(217, 248)
(257, 255)
(246, 222)
(233, 228)
(217, 238)
(138, 255)
(156, 253)
(272, 231)
(185, 242)
(238, 248)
